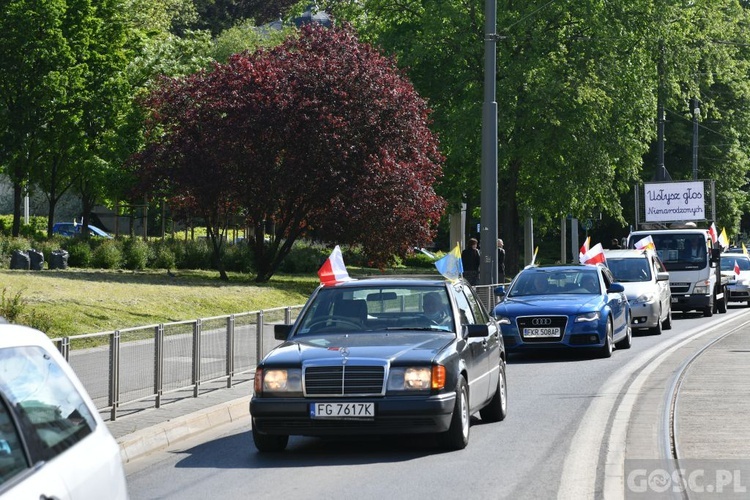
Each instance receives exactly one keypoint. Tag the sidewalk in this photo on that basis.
(140, 430)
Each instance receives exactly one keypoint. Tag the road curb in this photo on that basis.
(161, 436)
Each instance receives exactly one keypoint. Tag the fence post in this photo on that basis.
(288, 316)
(65, 348)
(158, 362)
(259, 337)
(230, 350)
(196, 356)
(114, 373)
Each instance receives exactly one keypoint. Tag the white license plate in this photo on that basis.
(541, 332)
(342, 411)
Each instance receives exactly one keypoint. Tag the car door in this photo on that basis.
(492, 345)
(665, 294)
(618, 304)
(476, 353)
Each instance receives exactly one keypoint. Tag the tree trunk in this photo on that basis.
(511, 228)
(17, 200)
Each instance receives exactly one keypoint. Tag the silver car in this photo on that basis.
(739, 283)
(646, 283)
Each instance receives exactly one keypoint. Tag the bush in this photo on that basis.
(79, 253)
(238, 258)
(136, 253)
(11, 307)
(161, 256)
(197, 255)
(304, 258)
(108, 255)
(418, 259)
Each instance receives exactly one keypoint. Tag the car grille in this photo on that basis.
(344, 380)
(544, 322)
(679, 288)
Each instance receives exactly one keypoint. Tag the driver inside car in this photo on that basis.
(434, 309)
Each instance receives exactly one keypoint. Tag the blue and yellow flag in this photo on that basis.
(451, 266)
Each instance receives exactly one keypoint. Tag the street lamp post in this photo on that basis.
(488, 233)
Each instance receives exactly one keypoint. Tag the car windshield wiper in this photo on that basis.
(419, 328)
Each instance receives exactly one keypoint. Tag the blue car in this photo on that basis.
(74, 229)
(564, 306)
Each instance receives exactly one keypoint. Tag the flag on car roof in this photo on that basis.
(333, 269)
(584, 249)
(451, 266)
(744, 249)
(736, 268)
(594, 256)
(646, 243)
(713, 233)
(723, 240)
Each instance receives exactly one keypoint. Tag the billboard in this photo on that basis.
(674, 201)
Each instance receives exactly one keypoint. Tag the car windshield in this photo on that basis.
(727, 262)
(381, 308)
(630, 270)
(556, 282)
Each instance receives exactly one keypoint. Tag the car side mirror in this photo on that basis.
(662, 276)
(500, 291)
(715, 255)
(281, 332)
(473, 331)
(615, 288)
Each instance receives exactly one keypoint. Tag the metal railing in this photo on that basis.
(146, 363)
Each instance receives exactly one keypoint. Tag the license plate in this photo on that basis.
(674, 300)
(342, 411)
(541, 332)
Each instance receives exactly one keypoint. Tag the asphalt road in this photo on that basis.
(571, 417)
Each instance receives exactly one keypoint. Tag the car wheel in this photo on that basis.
(268, 443)
(497, 409)
(667, 324)
(656, 330)
(708, 311)
(457, 435)
(723, 302)
(605, 351)
(628, 340)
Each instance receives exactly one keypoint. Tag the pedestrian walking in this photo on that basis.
(500, 261)
(470, 261)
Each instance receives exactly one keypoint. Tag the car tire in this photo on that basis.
(457, 435)
(722, 306)
(657, 330)
(497, 409)
(269, 443)
(667, 324)
(708, 311)
(605, 351)
(628, 340)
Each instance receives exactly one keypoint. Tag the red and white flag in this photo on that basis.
(333, 269)
(594, 256)
(736, 268)
(584, 249)
(713, 233)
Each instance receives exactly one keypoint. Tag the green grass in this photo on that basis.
(78, 301)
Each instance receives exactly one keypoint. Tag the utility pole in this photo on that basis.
(488, 224)
(696, 114)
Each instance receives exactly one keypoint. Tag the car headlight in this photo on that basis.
(503, 320)
(644, 298)
(743, 282)
(416, 378)
(278, 380)
(591, 316)
(700, 289)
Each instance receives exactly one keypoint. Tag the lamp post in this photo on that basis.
(696, 114)
(488, 232)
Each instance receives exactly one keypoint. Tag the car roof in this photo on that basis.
(560, 267)
(630, 253)
(406, 280)
(734, 255)
(18, 335)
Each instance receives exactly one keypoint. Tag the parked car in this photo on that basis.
(53, 442)
(564, 306)
(74, 229)
(646, 283)
(738, 287)
(382, 356)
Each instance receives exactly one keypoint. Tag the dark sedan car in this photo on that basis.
(382, 356)
(568, 306)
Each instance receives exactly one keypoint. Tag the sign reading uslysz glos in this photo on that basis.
(674, 201)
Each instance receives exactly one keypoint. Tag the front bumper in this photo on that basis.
(690, 302)
(393, 415)
(738, 293)
(583, 334)
(644, 315)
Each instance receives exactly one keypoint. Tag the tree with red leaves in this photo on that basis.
(321, 132)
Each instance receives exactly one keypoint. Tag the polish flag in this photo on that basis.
(736, 268)
(713, 233)
(594, 256)
(333, 270)
(584, 249)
